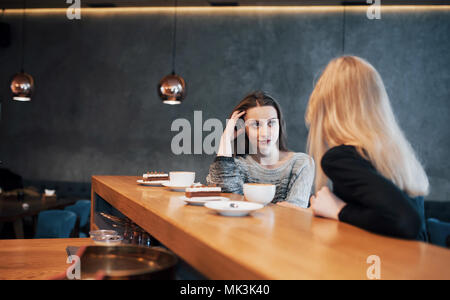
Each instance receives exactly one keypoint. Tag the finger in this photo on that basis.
(241, 113)
(233, 119)
(238, 114)
(240, 131)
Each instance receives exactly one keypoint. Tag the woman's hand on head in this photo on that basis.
(326, 204)
(229, 131)
(229, 134)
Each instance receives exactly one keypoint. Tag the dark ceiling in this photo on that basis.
(137, 3)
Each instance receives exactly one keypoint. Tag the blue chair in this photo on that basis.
(55, 224)
(82, 208)
(438, 231)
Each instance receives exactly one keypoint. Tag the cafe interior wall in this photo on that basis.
(96, 110)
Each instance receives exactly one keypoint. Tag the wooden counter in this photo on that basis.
(273, 243)
(35, 258)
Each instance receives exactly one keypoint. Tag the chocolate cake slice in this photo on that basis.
(203, 191)
(155, 176)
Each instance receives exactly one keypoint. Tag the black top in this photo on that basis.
(374, 203)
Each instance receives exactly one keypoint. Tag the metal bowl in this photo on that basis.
(94, 233)
(127, 263)
(107, 240)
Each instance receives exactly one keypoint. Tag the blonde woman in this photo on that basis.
(378, 183)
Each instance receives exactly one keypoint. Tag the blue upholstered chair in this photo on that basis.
(438, 231)
(55, 224)
(82, 208)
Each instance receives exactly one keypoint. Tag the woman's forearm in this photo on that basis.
(225, 148)
(300, 190)
(223, 172)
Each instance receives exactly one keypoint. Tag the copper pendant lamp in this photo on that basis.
(172, 87)
(22, 84)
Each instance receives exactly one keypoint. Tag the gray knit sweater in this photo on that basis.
(293, 179)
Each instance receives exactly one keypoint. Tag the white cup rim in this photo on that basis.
(258, 184)
(181, 172)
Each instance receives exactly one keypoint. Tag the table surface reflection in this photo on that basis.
(275, 242)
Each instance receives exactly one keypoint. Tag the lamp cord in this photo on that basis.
(23, 37)
(343, 30)
(174, 37)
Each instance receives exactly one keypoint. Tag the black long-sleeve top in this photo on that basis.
(373, 202)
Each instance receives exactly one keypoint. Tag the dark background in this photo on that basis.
(96, 109)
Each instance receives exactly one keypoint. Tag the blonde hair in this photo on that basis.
(350, 105)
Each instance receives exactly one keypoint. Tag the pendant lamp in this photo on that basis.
(22, 84)
(172, 87)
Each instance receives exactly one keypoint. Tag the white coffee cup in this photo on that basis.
(259, 192)
(182, 178)
(49, 192)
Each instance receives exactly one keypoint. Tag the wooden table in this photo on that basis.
(35, 258)
(273, 243)
(13, 210)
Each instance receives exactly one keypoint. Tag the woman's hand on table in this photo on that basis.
(290, 205)
(326, 204)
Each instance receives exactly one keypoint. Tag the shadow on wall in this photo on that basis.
(440, 189)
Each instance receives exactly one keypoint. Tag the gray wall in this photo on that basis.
(96, 111)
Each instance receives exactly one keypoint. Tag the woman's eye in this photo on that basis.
(272, 122)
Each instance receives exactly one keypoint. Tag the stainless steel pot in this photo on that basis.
(127, 262)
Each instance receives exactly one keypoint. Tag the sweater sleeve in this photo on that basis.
(373, 202)
(225, 172)
(301, 183)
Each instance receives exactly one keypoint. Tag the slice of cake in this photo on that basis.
(155, 176)
(203, 191)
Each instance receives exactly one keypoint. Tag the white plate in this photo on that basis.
(202, 200)
(152, 183)
(224, 207)
(174, 187)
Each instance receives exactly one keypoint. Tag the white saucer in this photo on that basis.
(152, 183)
(202, 200)
(174, 187)
(224, 207)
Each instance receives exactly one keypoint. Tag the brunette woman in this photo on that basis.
(263, 156)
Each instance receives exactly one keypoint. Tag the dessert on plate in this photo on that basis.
(155, 176)
(199, 190)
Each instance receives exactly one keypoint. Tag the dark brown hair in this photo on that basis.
(258, 99)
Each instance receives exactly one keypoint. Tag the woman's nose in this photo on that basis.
(263, 131)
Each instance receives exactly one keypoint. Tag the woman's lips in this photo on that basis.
(264, 142)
